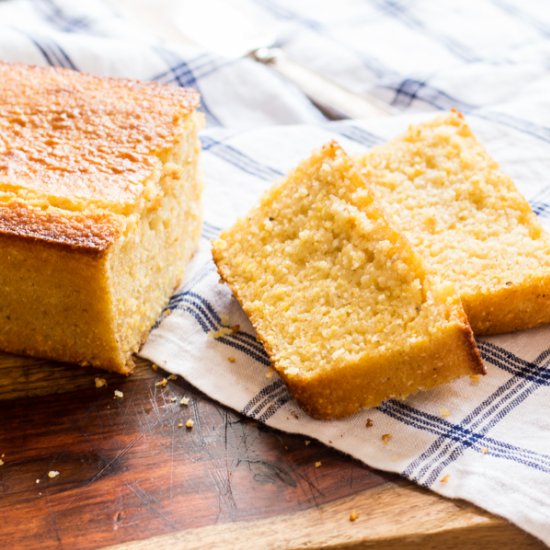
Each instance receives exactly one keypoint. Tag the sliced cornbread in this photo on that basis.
(466, 218)
(99, 211)
(339, 298)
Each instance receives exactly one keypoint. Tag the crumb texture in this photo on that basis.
(466, 218)
(329, 285)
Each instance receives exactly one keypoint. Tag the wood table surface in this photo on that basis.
(131, 475)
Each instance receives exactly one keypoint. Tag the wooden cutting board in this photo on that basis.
(130, 475)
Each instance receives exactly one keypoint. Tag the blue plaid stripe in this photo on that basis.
(209, 320)
(410, 90)
(209, 230)
(463, 435)
(400, 12)
(182, 74)
(53, 53)
(56, 16)
(521, 15)
(355, 133)
(374, 65)
(239, 159)
(451, 445)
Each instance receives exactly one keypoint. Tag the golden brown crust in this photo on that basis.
(477, 365)
(87, 233)
(77, 136)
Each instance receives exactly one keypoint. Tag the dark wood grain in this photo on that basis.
(127, 471)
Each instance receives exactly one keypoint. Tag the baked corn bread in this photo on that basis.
(340, 300)
(467, 220)
(99, 211)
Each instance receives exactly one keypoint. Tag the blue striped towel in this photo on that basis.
(486, 441)
(489, 440)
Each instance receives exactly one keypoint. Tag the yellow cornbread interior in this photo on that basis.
(74, 305)
(334, 292)
(148, 262)
(467, 220)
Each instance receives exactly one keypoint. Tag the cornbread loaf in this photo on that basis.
(468, 221)
(339, 298)
(99, 211)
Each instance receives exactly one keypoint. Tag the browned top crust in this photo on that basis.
(80, 137)
(88, 233)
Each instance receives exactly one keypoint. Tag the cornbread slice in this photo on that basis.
(468, 221)
(339, 298)
(99, 211)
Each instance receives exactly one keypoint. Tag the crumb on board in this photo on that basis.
(154, 367)
(386, 438)
(318, 464)
(53, 473)
(369, 423)
(100, 382)
(161, 383)
(180, 424)
(445, 479)
(37, 481)
(189, 424)
(172, 377)
(307, 442)
(444, 412)
(231, 359)
(474, 379)
(184, 401)
(484, 450)
(353, 515)
(173, 399)
(118, 394)
(1, 462)
(269, 373)
(295, 415)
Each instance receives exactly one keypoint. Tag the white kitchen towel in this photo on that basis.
(486, 441)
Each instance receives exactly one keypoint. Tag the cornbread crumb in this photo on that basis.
(231, 359)
(484, 450)
(184, 401)
(474, 379)
(180, 424)
(444, 412)
(161, 383)
(386, 438)
(369, 423)
(154, 367)
(1, 462)
(172, 377)
(224, 331)
(445, 479)
(189, 424)
(307, 442)
(100, 382)
(467, 220)
(353, 515)
(341, 300)
(118, 394)
(318, 464)
(53, 473)
(173, 399)
(269, 374)
(37, 481)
